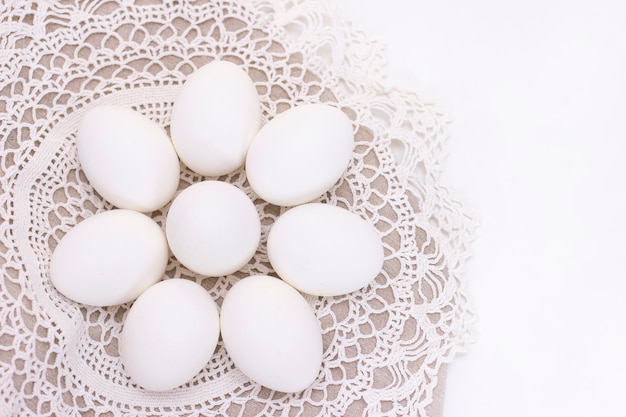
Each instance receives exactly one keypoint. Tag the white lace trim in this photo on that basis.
(383, 345)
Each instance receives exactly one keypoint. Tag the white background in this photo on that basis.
(537, 92)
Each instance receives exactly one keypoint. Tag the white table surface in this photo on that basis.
(537, 91)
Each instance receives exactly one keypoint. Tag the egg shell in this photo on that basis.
(169, 334)
(109, 258)
(300, 154)
(271, 333)
(215, 116)
(325, 250)
(127, 158)
(213, 228)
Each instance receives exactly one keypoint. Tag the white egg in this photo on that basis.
(300, 154)
(271, 333)
(324, 250)
(213, 228)
(214, 118)
(109, 258)
(169, 334)
(127, 158)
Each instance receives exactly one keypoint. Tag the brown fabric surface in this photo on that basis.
(434, 410)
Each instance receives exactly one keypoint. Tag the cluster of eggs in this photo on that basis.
(213, 228)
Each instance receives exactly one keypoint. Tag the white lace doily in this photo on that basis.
(383, 345)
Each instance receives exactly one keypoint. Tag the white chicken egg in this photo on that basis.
(324, 250)
(127, 158)
(213, 228)
(300, 154)
(169, 335)
(214, 118)
(109, 258)
(271, 333)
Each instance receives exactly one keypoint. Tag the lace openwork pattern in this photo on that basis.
(383, 345)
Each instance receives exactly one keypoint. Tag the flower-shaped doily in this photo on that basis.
(383, 346)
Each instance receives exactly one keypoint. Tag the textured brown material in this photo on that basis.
(434, 410)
